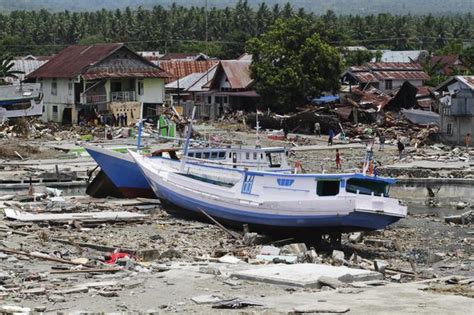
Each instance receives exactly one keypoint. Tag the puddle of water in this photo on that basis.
(447, 195)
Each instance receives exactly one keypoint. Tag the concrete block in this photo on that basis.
(269, 250)
(294, 249)
(287, 259)
(305, 275)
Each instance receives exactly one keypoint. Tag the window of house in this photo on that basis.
(209, 100)
(54, 87)
(70, 86)
(218, 99)
(388, 84)
(225, 99)
(55, 109)
(449, 129)
(327, 187)
(141, 88)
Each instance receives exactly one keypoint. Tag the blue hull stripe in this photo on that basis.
(354, 220)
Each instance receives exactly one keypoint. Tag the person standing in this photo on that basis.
(338, 160)
(331, 137)
(467, 142)
(126, 120)
(121, 119)
(317, 129)
(285, 129)
(382, 142)
(400, 147)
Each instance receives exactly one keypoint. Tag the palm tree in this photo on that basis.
(6, 66)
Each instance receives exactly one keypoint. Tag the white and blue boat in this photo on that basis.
(125, 174)
(276, 201)
(20, 101)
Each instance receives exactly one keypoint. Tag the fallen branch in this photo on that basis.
(233, 234)
(44, 257)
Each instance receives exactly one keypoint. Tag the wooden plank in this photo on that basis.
(104, 216)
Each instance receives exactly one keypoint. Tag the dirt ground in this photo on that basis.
(177, 259)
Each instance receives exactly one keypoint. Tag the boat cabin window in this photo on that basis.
(247, 156)
(230, 155)
(367, 187)
(222, 155)
(327, 187)
(213, 155)
(255, 155)
(274, 159)
(198, 155)
(205, 155)
(191, 154)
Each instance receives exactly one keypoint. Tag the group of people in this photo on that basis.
(115, 120)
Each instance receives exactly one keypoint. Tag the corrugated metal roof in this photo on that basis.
(181, 68)
(26, 66)
(71, 61)
(199, 86)
(393, 66)
(186, 82)
(467, 80)
(364, 77)
(238, 73)
(401, 75)
(128, 73)
(77, 59)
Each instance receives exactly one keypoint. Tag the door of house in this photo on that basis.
(116, 86)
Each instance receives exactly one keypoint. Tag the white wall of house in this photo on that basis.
(397, 84)
(57, 99)
(153, 90)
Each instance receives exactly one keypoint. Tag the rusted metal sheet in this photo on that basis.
(181, 68)
(78, 59)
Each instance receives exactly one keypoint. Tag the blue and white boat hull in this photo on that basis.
(269, 206)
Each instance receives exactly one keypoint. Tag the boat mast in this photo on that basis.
(188, 139)
(140, 128)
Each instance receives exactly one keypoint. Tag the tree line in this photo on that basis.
(183, 29)
(363, 7)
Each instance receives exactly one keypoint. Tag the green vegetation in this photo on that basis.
(363, 7)
(6, 71)
(291, 64)
(179, 28)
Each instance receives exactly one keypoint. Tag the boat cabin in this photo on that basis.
(246, 157)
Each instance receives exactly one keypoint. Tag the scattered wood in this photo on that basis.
(105, 216)
(93, 270)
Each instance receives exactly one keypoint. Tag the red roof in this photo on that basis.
(71, 61)
(447, 63)
(77, 59)
(237, 73)
(402, 75)
(181, 68)
(129, 73)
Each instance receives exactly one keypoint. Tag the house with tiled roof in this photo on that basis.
(384, 76)
(84, 81)
(447, 65)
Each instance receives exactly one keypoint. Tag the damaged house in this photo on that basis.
(384, 76)
(457, 108)
(83, 81)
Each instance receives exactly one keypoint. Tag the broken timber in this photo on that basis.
(105, 216)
